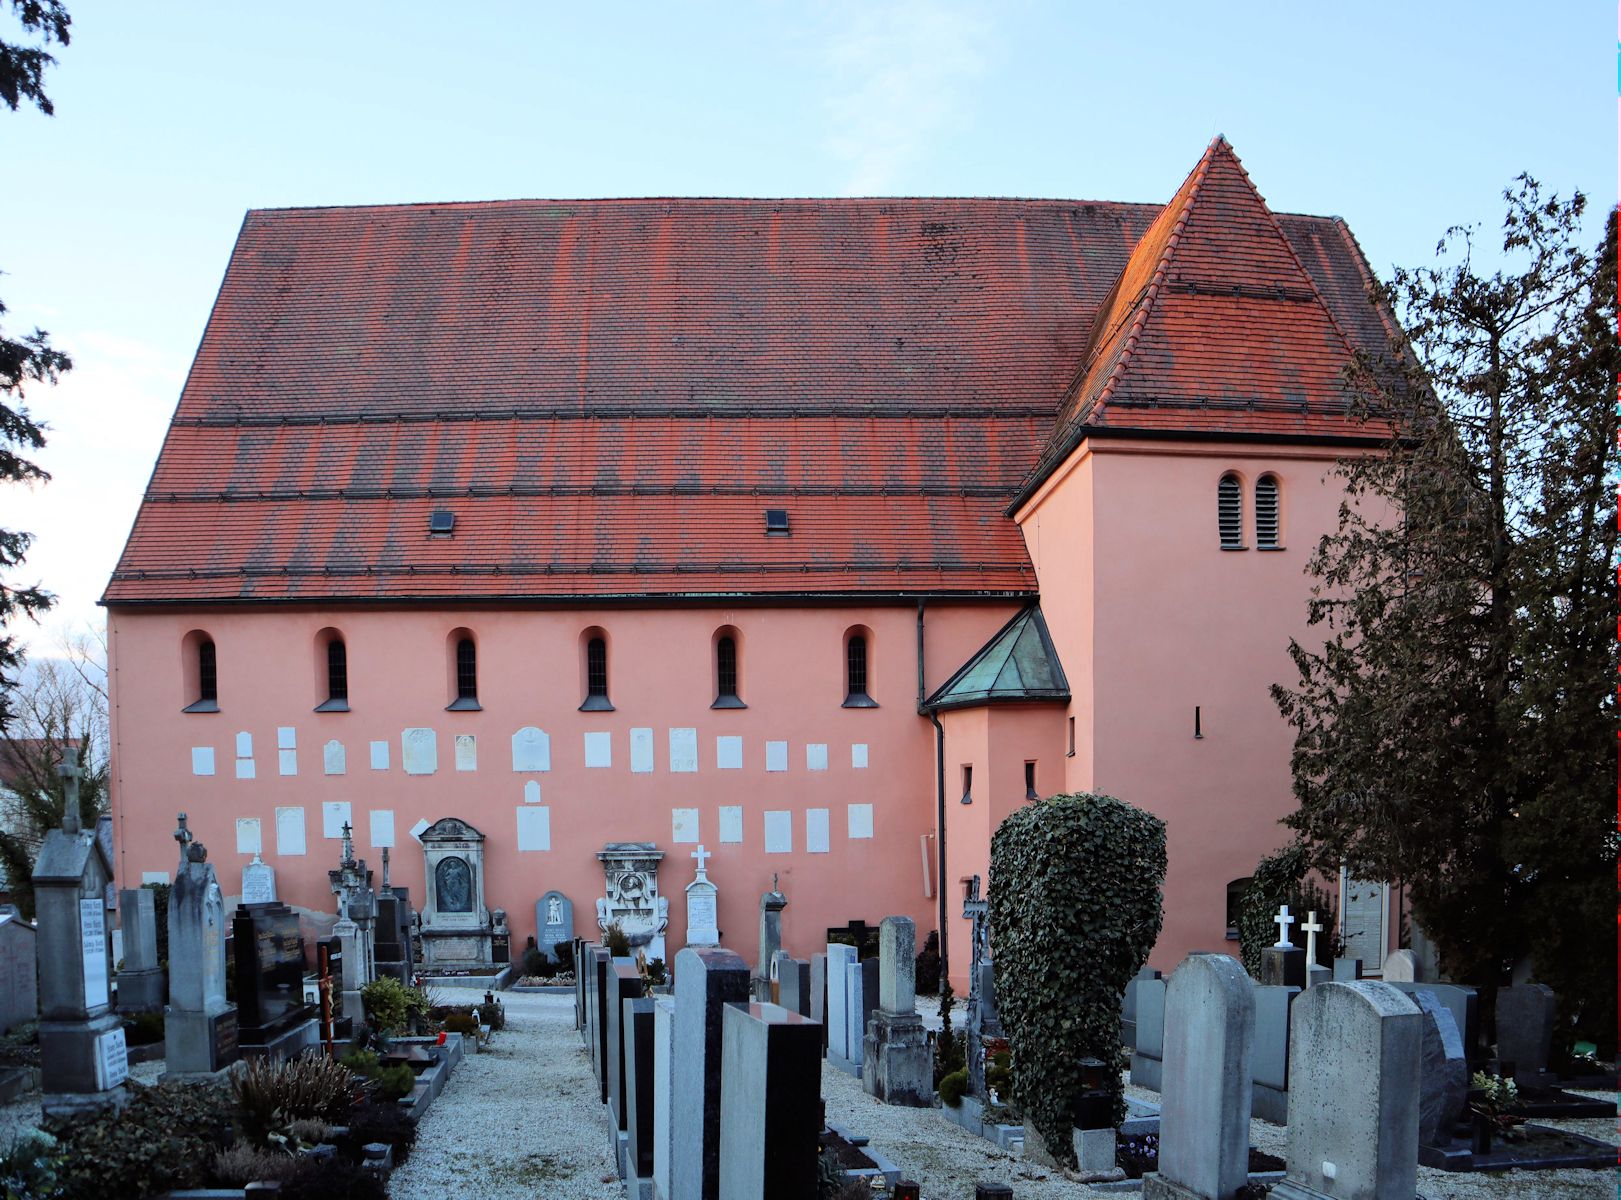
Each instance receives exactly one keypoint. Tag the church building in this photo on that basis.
(819, 533)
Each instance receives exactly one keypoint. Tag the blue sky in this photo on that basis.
(174, 119)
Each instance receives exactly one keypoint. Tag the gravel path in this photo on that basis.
(519, 1120)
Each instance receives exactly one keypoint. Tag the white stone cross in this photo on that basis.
(1311, 929)
(1283, 920)
(702, 856)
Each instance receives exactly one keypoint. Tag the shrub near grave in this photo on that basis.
(164, 1138)
(1280, 878)
(1075, 907)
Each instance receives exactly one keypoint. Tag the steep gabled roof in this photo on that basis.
(1018, 663)
(1214, 326)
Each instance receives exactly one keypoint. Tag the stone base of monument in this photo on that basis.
(142, 991)
(1146, 1071)
(71, 1053)
(73, 1104)
(489, 977)
(1538, 1148)
(970, 1115)
(279, 1045)
(897, 1066)
(198, 1045)
(846, 1065)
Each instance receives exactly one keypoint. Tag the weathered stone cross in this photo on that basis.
(703, 856)
(1311, 929)
(1283, 920)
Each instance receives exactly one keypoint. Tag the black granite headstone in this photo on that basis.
(269, 955)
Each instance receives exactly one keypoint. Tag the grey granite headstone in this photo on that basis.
(19, 971)
(896, 1066)
(1128, 1008)
(625, 985)
(794, 983)
(1462, 1002)
(770, 1110)
(841, 960)
(1402, 966)
(1204, 1126)
(1147, 1058)
(1443, 1075)
(860, 999)
(1348, 970)
(707, 981)
(554, 923)
(1269, 1056)
(140, 979)
(663, 1096)
(818, 993)
(1283, 966)
(1353, 1095)
(1525, 1022)
(199, 1025)
(897, 965)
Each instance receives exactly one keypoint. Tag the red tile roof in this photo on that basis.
(608, 394)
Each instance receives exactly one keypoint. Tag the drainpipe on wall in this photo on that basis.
(940, 798)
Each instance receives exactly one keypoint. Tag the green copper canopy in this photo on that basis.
(1019, 663)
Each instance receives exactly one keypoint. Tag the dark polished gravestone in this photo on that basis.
(273, 1019)
(391, 935)
(770, 1106)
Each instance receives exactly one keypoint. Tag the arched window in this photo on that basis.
(1230, 512)
(1235, 905)
(856, 670)
(332, 671)
(203, 670)
(596, 673)
(726, 672)
(1267, 529)
(466, 674)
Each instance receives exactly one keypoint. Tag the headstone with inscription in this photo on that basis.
(554, 923)
(83, 1062)
(199, 1025)
(19, 970)
(703, 928)
(274, 1021)
(258, 882)
(141, 985)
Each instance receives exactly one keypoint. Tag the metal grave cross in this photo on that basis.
(1311, 928)
(1283, 920)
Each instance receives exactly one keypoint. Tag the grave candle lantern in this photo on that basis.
(1094, 1108)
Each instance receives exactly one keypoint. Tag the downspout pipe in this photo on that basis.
(940, 798)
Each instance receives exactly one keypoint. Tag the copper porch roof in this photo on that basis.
(608, 394)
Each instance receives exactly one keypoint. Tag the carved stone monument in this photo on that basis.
(258, 882)
(702, 924)
(554, 923)
(631, 873)
(357, 916)
(771, 905)
(199, 1026)
(456, 928)
(83, 1060)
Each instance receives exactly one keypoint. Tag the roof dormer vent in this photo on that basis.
(776, 522)
(441, 523)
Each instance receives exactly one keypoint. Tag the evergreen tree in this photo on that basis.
(1456, 733)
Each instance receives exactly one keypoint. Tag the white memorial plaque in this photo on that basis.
(531, 792)
(534, 828)
(599, 749)
(779, 832)
(382, 828)
(93, 930)
(683, 750)
(286, 738)
(731, 824)
(816, 832)
(202, 760)
(858, 755)
(859, 817)
(531, 750)
(112, 1059)
(249, 838)
(334, 759)
(816, 756)
(416, 830)
(466, 752)
(379, 756)
(776, 756)
(287, 762)
(290, 830)
(683, 825)
(244, 768)
(244, 744)
(419, 751)
(335, 814)
(641, 751)
(729, 753)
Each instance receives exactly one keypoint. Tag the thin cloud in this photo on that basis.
(902, 73)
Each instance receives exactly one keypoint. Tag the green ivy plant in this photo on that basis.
(1075, 907)
(1280, 878)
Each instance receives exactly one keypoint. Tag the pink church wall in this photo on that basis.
(1178, 622)
(661, 677)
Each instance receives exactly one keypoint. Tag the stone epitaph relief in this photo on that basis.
(457, 931)
(631, 894)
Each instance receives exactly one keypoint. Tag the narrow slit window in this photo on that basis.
(337, 673)
(208, 680)
(1071, 752)
(1230, 513)
(726, 670)
(855, 673)
(1266, 513)
(1030, 792)
(596, 669)
(968, 785)
(466, 671)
